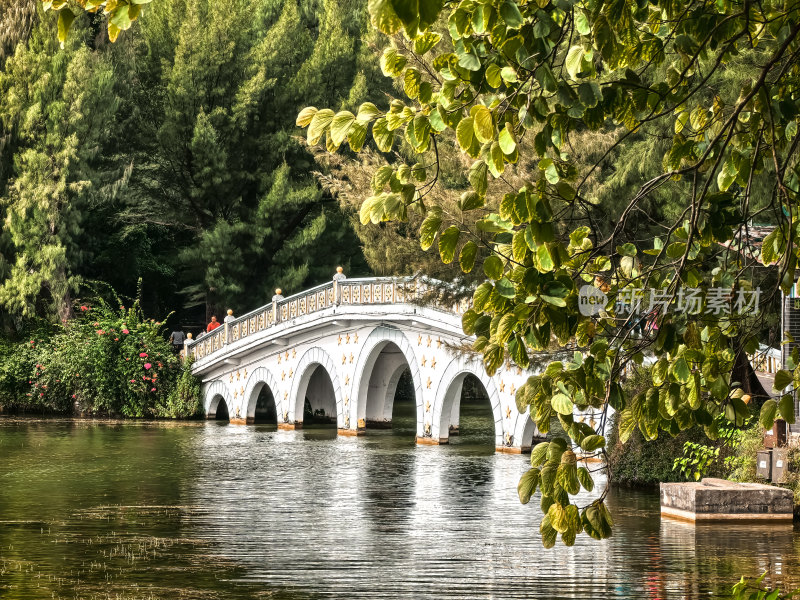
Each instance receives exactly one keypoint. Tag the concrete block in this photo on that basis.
(721, 500)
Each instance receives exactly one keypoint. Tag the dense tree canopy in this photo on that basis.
(700, 100)
(171, 154)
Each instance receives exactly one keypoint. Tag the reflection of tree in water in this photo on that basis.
(477, 420)
(404, 408)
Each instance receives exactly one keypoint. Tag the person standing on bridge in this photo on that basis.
(338, 277)
(213, 324)
(176, 339)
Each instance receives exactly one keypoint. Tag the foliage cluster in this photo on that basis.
(108, 361)
(169, 155)
(487, 74)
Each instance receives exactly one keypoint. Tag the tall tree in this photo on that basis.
(59, 107)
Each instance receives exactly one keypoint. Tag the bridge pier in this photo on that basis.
(290, 426)
(429, 441)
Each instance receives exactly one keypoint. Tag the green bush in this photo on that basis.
(106, 361)
(184, 401)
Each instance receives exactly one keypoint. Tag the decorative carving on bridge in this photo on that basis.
(351, 358)
(427, 406)
(283, 375)
(508, 412)
(513, 390)
(347, 339)
(424, 361)
(355, 339)
(502, 386)
(419, 340)
(340, 340)
(433, 363)
(344, 359)
(428, 383)
(429, 341)
(294, 353)
(427, 429)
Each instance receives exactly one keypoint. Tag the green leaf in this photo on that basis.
(340, 125)
(574, 60)
(448, 241)
(493, 267)
(412, 80)
(383, 16)
(509, 74)
(381, 134)
(478, 177)
(305, 116)
(510, 14)
(505, 288)
(562, 404)
(768, 412)
(680, 369)
(493, 77)
(65, 19)
(470, 201)
(465, 133)
(786, 408)
(466, 259)
(539, 453)
(782, 379)
(585, 479)
(582, 22)
(593, 442)
(527, 485)
(429, 228)
(483, 123)
(426, 42)
(319, 125)
(589, 93)
(507, 139)
(550, 171)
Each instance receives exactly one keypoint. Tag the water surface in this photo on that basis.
(202, 510)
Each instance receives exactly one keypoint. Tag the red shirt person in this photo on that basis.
(213, 325)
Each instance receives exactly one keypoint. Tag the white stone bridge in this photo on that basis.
(343, 347)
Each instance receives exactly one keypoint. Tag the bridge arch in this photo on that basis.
(215, 393)
(448, 395)
(255, 384)
(314, 359)
(377, 407)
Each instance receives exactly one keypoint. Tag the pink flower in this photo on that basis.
(116, 339)
(127, 359)
(125, 331)
(74, 396)
(133, 381)
(153, 390)
(143, 355)
(147, 365)
(84, 308)
(100, 332)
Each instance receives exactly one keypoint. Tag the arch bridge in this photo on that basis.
(339, 351)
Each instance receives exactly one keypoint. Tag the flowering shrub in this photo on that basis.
(105, 361)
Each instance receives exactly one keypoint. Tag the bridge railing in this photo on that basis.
(360, 291)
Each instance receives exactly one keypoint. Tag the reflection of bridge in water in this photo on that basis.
(342, 348)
